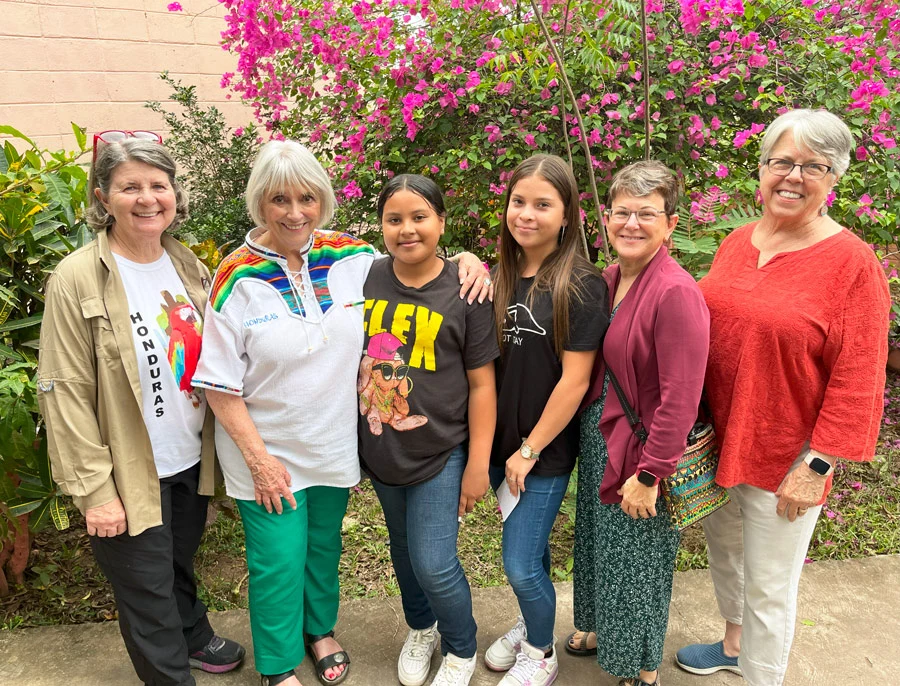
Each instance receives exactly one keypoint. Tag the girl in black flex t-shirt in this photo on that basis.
(427, 404)
(550, 306)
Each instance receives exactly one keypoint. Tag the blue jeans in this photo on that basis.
(423, 526)
(526, 551)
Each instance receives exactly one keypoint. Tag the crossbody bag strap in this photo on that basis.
(637, 426)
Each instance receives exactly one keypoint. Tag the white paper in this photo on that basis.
(506, 500)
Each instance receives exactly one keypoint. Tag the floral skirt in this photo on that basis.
(623, 566)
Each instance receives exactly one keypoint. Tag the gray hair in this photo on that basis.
(281, 165)
(110, 156)
(819, 131)
(641, 179)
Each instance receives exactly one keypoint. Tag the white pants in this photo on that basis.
(755, 559)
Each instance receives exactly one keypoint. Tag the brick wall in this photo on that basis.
(96, 62)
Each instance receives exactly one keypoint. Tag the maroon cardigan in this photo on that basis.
(657, 346)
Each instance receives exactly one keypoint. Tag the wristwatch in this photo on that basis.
(528, 452)
(647, 478)
(818, 465)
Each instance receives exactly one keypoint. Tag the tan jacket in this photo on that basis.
(89, 387)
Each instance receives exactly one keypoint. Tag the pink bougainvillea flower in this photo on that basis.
(676, 66)
(352, 190)
(722, 171)
(174, 7)
(670, 95)
(464, 164)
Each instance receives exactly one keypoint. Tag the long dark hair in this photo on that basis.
(561, 272)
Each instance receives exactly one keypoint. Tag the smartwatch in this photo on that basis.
(818, 465)
(528, 452)
(647, 478)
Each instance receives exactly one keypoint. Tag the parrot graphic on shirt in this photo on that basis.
(184, 328)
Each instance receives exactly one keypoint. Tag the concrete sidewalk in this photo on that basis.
(848, 631)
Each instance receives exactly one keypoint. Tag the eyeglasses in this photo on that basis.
(810, 170)
(115, 136)
(646, 215)
(388, 371)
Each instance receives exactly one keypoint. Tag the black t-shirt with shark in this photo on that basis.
(529, 369)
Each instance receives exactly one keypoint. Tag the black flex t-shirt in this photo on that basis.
(529, 369)
(413, 387)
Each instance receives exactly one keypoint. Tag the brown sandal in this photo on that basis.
(577, 644)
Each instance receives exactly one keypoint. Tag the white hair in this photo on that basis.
(284, 165)
(819, 131)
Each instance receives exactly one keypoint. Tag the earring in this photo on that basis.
(824, 210)
(562, 232)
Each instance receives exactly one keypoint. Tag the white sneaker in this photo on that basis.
(414, 662)
(532, 668)
(502, 653)
(455, 671)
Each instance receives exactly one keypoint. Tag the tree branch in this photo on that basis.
(584, 141)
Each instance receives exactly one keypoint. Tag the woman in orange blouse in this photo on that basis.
(798, 343)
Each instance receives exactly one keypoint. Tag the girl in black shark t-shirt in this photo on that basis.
(550, 309)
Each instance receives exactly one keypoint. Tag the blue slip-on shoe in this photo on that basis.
(706, 658)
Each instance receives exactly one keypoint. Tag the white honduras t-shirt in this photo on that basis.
(166, 328)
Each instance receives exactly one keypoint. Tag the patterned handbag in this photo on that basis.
(691, 492)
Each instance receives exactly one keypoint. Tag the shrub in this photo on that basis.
(42, 203)
(464, 89)
(215, 163)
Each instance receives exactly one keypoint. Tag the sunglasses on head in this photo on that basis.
(388, 371)
(116, 136)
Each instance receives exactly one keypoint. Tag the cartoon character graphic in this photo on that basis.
(383, 386)
(184, 328)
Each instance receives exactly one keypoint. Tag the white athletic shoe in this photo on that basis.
(532, 668)
(455, 671)
(502, 653)
(414, 662)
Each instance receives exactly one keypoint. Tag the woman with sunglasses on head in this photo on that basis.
(551, 315)
(130, 439)
(656, 348)
(282, 346)
(799, 309)
(427, 405)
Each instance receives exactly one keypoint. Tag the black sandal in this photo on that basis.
(579, 647)
(274, 679)
(334, 660)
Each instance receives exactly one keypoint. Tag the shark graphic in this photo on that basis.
(522, 320)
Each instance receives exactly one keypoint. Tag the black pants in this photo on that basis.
(152, 575)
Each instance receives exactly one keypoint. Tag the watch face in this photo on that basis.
(646, 478)
(819, 466)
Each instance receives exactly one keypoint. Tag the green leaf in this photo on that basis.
(10, 131)
(16, 324)
(18, 507)
(59, 514)
(57, 189)
(80, 135)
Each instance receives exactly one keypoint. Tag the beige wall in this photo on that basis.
(96, 62)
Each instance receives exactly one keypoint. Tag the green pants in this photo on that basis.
(293, 563)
